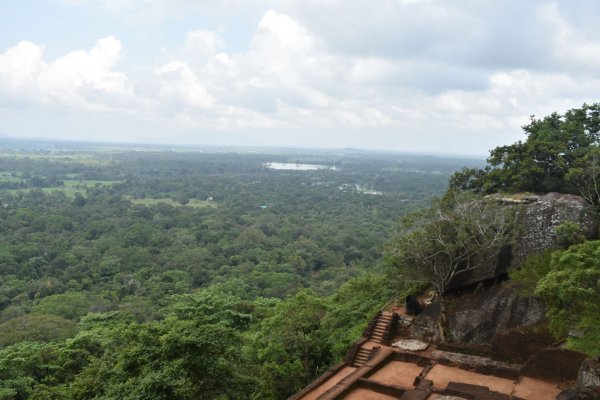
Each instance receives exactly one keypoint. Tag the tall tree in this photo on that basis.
(554, 146)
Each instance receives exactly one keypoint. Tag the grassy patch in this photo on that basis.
(153, 202)
(7, 177)
(70, 187)
(97, 159)
(84, 184)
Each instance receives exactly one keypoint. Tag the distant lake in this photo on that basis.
(297, 167)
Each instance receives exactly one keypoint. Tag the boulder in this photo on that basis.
(588, 378)
(540, 219)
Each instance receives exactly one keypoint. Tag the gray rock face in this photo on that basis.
(539, 220)
(588, 378)
(426, 325)
(479, 317)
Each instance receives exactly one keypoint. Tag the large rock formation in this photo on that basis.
(537, 220)
(540, 218)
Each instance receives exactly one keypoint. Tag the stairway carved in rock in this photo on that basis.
(362, 356)
(378, 332)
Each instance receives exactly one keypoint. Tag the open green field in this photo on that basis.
(91, 158)
(8, 177)
(153, 202)
(70, 187)
(84, 184)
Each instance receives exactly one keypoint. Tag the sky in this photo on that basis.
(433, 76)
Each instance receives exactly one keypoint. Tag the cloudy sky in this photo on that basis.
(444, 76)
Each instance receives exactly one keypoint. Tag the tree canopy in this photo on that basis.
(571, 288)
(559, 154)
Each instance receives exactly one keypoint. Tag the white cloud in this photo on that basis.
(180, 87)
(572, 48)
(73, 3)
(407, 74)
(201, 44)
(20, 66)
(79, 78)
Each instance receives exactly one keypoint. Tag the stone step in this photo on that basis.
(361, 357)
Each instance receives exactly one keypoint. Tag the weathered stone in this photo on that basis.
(477, 318)
(426, 326)
(472, 360)
(410, 345)
(537, 222)
(405, 320)
(540, 219)
(588, 377)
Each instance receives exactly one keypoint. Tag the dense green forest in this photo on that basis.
(212, 274)
(155, 274)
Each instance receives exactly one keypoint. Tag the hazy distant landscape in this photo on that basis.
(236, 200)
(106, 238)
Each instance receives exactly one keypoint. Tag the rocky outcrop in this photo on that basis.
(478, 317)
(426, 325)
(539, 220)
